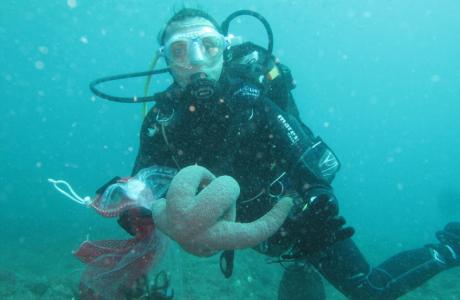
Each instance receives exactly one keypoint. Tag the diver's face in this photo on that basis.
(193, 46)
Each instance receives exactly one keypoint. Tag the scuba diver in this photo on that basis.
(230, 109)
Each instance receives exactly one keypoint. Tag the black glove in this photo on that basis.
(136, 220)
(316, 226)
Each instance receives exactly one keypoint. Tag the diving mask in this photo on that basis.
(138, 191)
(142, 190)
(200, 45)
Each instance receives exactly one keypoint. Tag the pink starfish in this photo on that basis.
(203, 222)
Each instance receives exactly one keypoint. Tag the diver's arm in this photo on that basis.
(311, 166)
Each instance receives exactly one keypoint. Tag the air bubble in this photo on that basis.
(72, 3)
(39, 65)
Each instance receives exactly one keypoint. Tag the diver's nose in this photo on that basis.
(196, 54)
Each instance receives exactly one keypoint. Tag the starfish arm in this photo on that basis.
(230, 235)
(213, 202)
(183, 189)
(230, 214)
(195, 247)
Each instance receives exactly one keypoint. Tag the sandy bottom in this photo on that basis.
(33, 273)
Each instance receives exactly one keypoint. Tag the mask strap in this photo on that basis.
(71, 194)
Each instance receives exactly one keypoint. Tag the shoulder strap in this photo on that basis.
(248, 61)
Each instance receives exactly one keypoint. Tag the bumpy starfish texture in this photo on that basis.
(199, 213)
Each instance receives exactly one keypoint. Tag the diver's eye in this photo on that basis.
(178, 49)
(212, 45)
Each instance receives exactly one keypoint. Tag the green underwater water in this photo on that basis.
(379, 81)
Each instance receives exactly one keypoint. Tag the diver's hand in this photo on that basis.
(137, 221)
(317, 225)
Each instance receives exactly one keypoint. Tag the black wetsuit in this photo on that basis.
(241, 133)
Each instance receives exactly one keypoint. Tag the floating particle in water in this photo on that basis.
(367, 14)
(84, 39)
(70, 165)
(72, 3)
(39, 65)
(400, 186)
(373, 100)
(351, 14)
(43, 50)
(38, 164)
(326, 124)
(435, 78)
(306, 186)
